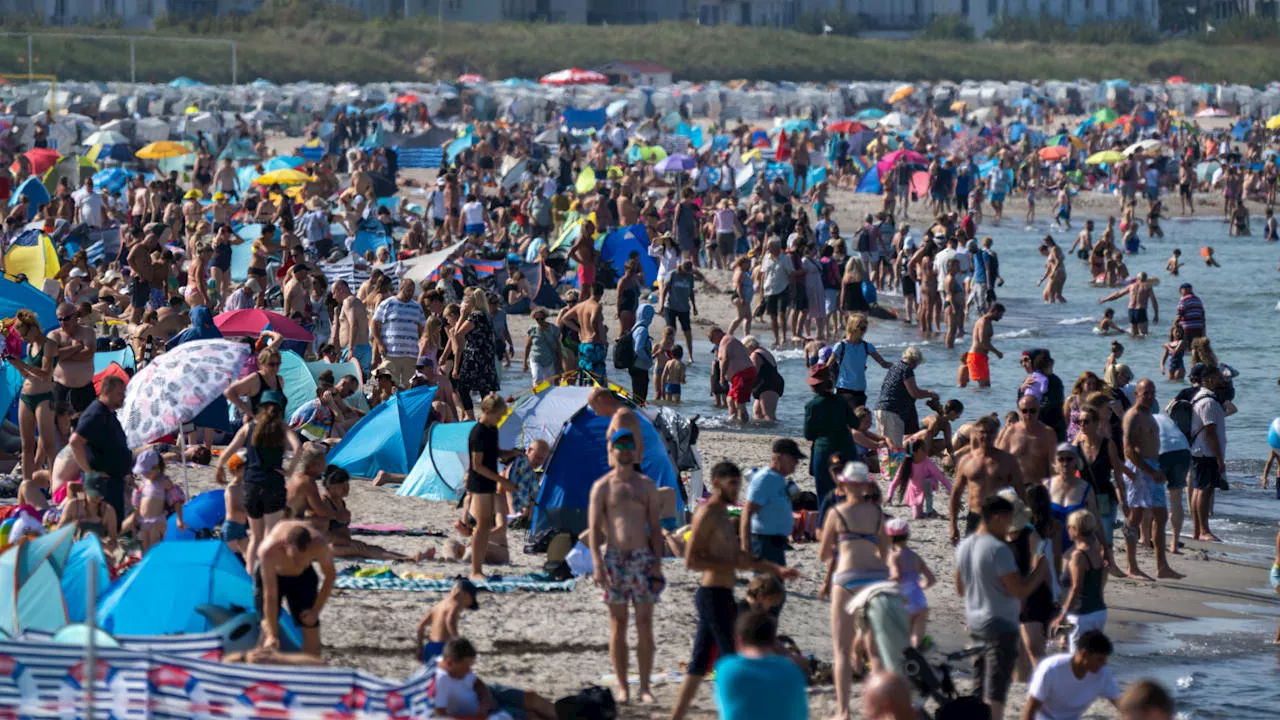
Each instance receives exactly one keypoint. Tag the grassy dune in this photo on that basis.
(334, 50)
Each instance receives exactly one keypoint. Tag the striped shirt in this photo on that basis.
(402, 323)
(1190, 313)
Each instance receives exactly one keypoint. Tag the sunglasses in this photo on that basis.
(624, 445)
(64, 318)
(1066, 459)
(1028, 411)
(272, 364)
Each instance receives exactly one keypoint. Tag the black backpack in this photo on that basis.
(624, 351)
(1181, 412)
(591, 703)
(864, 240)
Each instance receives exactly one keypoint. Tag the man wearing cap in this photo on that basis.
(625, 513)
(99, 445)
(766, 520)
(1190, 314)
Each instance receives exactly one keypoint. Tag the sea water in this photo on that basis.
(1221, 671)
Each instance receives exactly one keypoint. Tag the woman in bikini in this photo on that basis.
(90, 513)
(35, 409)
(854, 547)
(337, 485)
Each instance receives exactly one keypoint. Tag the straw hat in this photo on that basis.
(1021, 514)
(315, 203)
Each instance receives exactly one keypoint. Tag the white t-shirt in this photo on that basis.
(456, 696)
(1171, 438)
(1207, 411)
(473, 213)
(1062, 695)
(777, 273)
(89, 210)
(940, 263)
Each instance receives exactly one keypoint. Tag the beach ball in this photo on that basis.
(5, 527)
(1273, 435)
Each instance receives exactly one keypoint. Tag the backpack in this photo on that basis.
(591, 703)
(837, 356)
(830, 274)
(864, 240)
(624, 351)
(1181, 412)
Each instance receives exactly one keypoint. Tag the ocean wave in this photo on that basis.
(1076, 320)
(1018, 334)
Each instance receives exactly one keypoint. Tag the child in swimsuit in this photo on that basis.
(440, 624)
(235, 529)
(673, 375)
(153, 499)
(908, 569)
(661, 356)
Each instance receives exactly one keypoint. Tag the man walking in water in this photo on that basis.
(981, 473)
(1147, 491)
(977, 363)
(713, 549)
(1140, 294)
(587, 319)
(624, 512)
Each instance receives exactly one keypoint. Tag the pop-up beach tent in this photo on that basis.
(31, 253)
(619, 245)
(86, 550)
(160, 595)
(440, 472)
(31, 583)
(388, 438)
(579, 455)
(15, 296)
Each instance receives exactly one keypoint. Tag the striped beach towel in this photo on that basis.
(425, 158)
(389, 581)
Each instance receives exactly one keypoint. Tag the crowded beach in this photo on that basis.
(333, 375)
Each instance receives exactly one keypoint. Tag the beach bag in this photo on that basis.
(624, 352)
(591, 703)
(864, 240)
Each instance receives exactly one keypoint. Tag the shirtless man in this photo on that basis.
(73, 375)
(587, 319)
(1146, 491)
(351, 327)
(302, 491)
(624, 513)
(1084, 242)
(139, 259)
(714, 550)
(982, 472)
(285, 573)
(605, 404)
(1140, 294)
(296, 293)
(225, 179)
(977, 364)
(1032, 443)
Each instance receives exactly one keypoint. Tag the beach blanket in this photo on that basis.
(384, 530)
(385, 579)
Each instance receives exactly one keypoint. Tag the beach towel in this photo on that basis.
(385, 579)
(400, 530)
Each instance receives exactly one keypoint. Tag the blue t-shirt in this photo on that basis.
(768, 489)
(768, 687)
(853, 364)
(980, 267)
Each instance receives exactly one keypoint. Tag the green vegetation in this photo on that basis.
(309, 40)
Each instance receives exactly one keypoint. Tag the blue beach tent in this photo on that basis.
(74, 576)
(618, 246)
(388, 438)
(15, 296)
(440, 472)
(31, 583)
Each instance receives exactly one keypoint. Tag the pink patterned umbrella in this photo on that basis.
(176, 386)
(575, 76)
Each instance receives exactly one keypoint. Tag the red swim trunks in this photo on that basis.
(979, 368)
(740, 386)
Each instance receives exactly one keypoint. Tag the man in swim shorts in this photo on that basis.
(735, 364)
(624, 512)
(980, 474)
(1146, 491)
(285, 573)
(1140, 294)
(587, 319)
(977, 360)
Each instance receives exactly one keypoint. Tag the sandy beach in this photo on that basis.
(555, 643)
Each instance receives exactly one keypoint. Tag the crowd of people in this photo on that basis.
(1041, 491)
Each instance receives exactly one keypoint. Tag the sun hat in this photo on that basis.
(854, 473)
(1021, 514)
(146, 461)
(896, 527)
